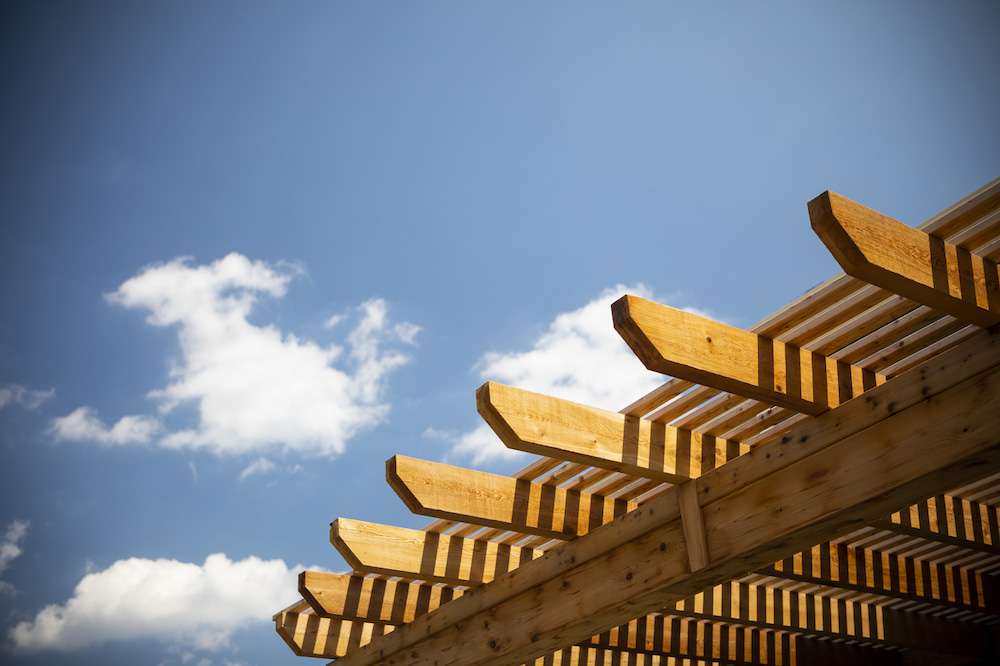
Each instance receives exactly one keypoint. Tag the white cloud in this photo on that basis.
(10, 549)
(16, 394)
(198, 606)
(579, 357)
(334, 320)
(258, 466)
(83, 424)
(257, 389)
(407, 332)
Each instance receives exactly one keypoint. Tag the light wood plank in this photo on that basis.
(541, 424)
(707, 352)
(398, 551)
(924, 268)
(368, 599)
(455, 493)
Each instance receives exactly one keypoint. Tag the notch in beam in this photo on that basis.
(924, 268)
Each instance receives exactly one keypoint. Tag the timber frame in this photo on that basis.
(823, 488)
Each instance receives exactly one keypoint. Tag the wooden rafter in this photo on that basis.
(920, 266)
(698, 349)
(537, 423)
(397, 551)
(445, 491)
(353, 597)
(863, 460)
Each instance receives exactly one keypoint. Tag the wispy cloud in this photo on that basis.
(83, 424)
(10, 549)
(256, 389)
(29, 398)
(258, 466)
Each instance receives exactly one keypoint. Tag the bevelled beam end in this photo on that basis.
(826, 218)
(337, 538)
(906, 261)
(489, 399)
(404, 476)
(623, 316)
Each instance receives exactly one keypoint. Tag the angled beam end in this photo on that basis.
(399, 485)
(907, 261)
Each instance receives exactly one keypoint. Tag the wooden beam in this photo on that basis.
(309, 635)
(950, 520)
(455, 493)
(548, 426)
(763, 606)
(353, 597)
(430, 556)
(924, 268)
(693, 524)
(869, 570)
(930, 429)
(707, 352)
(832, 565)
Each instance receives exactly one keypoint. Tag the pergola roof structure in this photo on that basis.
(821, 489)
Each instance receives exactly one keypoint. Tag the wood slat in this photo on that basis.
(950, 520)
(765, 607)
(846, 566)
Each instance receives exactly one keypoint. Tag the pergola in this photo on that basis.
(820, 489)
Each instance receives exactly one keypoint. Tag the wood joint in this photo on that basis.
(693, 524)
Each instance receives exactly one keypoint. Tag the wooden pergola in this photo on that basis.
(821, 489)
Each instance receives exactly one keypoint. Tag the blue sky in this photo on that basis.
(251, 250)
